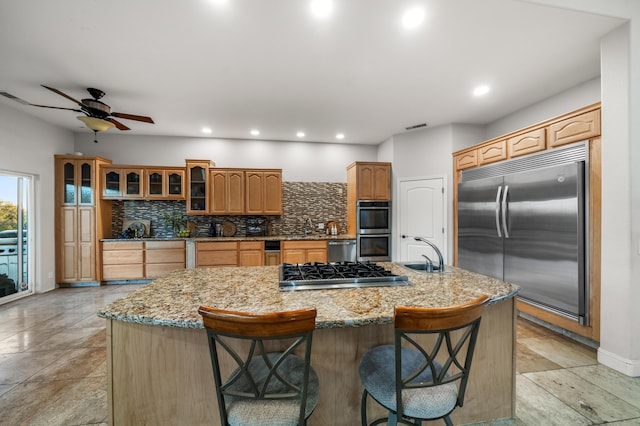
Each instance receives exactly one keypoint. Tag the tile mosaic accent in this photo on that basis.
(319, 201)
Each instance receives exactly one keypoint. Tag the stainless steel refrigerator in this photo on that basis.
(524, 221)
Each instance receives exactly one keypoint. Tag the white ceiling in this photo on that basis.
(272, 65)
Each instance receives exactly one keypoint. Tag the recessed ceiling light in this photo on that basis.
(206, 130)
(340, 136)
(255, 132)
(300, 134)
(413, 17)
(321, 8)
(481, 90)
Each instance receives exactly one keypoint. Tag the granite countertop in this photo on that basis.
(173, 300)
(240, 238)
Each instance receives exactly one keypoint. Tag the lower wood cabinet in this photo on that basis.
(122, 260)
(229, 253)
(162, 257)
(304, 251)
(139, 260)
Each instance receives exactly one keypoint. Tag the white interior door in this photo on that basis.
(422, 213)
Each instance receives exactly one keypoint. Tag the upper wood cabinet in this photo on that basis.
(198, 186)
(263, 192)
(164, 183)
(574, 129)
(575, 126)
(227, 191)
(120, 182)
(527, 143)
(496, 151)
(370, 181)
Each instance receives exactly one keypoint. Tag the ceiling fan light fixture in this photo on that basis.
(96, 124)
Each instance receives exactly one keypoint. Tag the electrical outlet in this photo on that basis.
(321, 226)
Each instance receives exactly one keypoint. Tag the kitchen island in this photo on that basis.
(159, 369)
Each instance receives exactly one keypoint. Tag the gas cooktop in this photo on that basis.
(321, 276)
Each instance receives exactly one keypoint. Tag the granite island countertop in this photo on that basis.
(173, 300)
(312, 237)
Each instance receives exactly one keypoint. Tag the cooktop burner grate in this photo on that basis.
(310, 276)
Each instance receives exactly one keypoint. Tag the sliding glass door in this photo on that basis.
(16, 195)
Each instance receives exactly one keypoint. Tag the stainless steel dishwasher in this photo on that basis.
(342, 251)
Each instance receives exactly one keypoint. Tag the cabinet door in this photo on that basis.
(574, 129)
(272, 258)
(294, 256)
(365, 182)
(111, 179)
(227, 192)
(86, 182)
(317, 255)
(466, 160)
(495, 151)
(155, 183)
(527, 143)
(69, 254)
(272, 193)
(175, 184)
(197, 188)
(133, 184)
(235, 192)
(382, 182)
(254, 192)
(251, 258)
(86, 244)
(68, 184)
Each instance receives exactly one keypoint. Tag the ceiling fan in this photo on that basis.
(97, 115)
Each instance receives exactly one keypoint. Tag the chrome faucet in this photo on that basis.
(308, 227)
(429, 263)
(433, 246)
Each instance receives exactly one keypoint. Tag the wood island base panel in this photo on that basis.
(159, 370)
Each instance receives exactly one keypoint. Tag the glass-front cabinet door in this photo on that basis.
(86, 183)
(133, 183)
(69, 182)
(175, 180)
(198, 186)
(155, 182)
(111, 179)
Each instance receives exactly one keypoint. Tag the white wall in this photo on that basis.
(27, 145)
(571, 99)
(299, 161)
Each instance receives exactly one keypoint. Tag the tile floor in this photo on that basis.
(53, 368)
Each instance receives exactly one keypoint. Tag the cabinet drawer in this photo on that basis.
(217, 258)
(286, 245)
(222, 245)
(124, 245)
(574, 129)
(122, 272)
(122, 257)
(251, 245)
(166, 256)
(154, 245)
(156, 271)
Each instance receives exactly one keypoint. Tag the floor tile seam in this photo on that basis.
(570, 370)
(613, 396)
(588, 420)
(533, 349)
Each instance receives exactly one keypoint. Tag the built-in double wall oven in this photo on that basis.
(373, 231)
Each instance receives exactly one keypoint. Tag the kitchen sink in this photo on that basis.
(421, 267)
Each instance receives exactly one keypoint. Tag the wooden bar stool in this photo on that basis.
(270, 385)
(406, 379)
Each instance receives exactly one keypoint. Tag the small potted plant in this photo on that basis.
(178, 223)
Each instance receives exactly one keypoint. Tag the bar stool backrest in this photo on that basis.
(448, 359)
(246, 338)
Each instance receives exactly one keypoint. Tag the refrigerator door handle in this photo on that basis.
(505, 211)
(498, 192)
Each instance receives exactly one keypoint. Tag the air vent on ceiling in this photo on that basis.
(417, 126)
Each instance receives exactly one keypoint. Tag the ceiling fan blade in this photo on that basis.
(62, 94)
(118, 124)
(133, 117)
(53, 107)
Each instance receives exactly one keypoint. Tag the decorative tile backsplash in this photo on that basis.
(319, 201)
